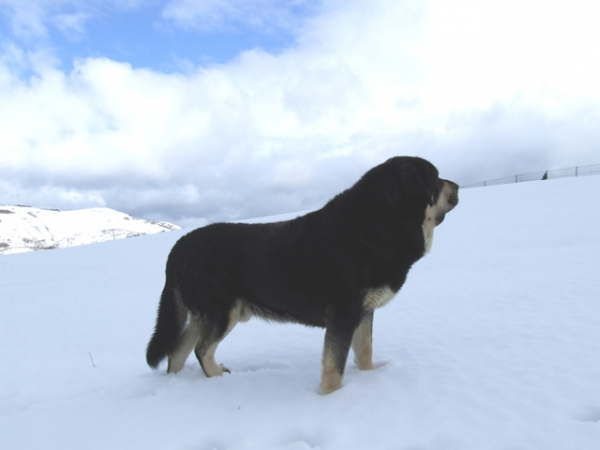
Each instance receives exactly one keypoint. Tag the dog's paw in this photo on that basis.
(365, 365)
(330, 381)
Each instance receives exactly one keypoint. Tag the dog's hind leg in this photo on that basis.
(362, 342)
(213, 332)
(338, 338)
(185, 344)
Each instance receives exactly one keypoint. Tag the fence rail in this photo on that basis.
(542, 175)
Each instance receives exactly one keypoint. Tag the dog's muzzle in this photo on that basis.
(449, 197)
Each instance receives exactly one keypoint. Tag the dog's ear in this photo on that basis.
(416, 179)
(401, 183)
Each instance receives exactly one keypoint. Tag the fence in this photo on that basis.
(542, 175)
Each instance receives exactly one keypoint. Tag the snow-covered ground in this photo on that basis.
(493, 343)
(23, 228)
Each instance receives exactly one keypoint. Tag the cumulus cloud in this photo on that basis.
(267, 134)
(482, 51)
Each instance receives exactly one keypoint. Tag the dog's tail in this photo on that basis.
(171, 320)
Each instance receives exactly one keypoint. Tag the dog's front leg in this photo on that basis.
(362, 342)
(338, 338)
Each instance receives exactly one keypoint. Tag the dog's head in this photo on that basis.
(423, 192)
(400, 201)
(419, 186)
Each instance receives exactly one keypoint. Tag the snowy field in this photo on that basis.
(493, 343)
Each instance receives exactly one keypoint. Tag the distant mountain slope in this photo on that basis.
(24, 228)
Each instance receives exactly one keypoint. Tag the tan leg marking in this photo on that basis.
(362, 345)
(210, 366)
(331, 378)
(187, 341)
(245, 313)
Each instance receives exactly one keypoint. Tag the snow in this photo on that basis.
(23, 228)
(493, 343)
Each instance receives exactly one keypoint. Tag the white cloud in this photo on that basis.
(71, 24)
(481, 51)
(267, 134)
(26, 17)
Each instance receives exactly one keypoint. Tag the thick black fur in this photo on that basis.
(314, 270)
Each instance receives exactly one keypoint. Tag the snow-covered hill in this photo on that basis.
(23, 228)
(492, 344)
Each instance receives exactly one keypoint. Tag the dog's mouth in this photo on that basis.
(453, 199)
(451, 189)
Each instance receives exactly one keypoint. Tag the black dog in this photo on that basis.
(330, 268)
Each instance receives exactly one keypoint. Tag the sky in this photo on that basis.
(200, 111)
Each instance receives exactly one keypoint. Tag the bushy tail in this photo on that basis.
(169, 325)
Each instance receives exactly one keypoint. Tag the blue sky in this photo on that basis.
(142, 40)
(153, 34)
(194, 111)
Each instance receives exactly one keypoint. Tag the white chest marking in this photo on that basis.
(428, 227)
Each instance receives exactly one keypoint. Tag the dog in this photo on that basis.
(330, 268)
